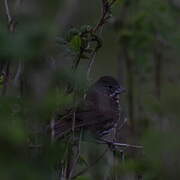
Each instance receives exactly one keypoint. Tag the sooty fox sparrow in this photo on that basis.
(99, 114)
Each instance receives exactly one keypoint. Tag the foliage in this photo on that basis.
(45, 52)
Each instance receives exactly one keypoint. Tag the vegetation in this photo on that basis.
(51, 51)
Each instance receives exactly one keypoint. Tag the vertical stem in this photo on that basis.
(158, 73)
(7, 11)
(6, 78)
(130, 84)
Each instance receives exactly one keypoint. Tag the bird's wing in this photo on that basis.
(82, 119)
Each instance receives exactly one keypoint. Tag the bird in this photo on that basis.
(99, 112)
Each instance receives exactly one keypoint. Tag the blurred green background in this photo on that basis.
(140, 47)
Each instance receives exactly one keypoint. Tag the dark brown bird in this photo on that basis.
(99, 112)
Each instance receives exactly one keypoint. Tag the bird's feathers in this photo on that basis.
(99, 112)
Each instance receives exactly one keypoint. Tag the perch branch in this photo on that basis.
(119, 144)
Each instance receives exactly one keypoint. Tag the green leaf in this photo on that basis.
(85, 28)
(75, 43)
(1, 80)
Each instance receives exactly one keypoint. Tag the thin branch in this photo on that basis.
(91, 165)
(11, 20)
(91, 62)
(113, 1)
(18, 74)
(78, 154)
(106, 8)
(7, 11)
(52, 129)
(6, 78)
(119, 144)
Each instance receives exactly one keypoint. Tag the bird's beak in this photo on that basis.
(120, 90)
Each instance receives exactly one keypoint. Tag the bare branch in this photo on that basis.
(91, 62)
(106, 8)
(119, 144)
(6, 78)
(18, 73)
(52, 129)
(7, 11)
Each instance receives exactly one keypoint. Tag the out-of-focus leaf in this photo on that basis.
(75, 43)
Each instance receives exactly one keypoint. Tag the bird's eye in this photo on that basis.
(110, 87)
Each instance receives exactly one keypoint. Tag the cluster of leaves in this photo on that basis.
(81, 42)
(23, 117)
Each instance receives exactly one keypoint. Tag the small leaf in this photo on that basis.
(72, 32)
(1, 81)
(85, 28)
(75, 43)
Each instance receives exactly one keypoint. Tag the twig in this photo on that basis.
(7, 11)
(91, 62)
(106, 7)
(93, 55)
(77, 156)
(73, 123)
(77, 61)
(18, 74)
(113, 1)
(52, 130)
(91, 165)
(119, 144)
(6, 78)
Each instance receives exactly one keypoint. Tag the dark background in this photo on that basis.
(140, 47)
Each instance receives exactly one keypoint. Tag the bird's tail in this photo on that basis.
(61, 125)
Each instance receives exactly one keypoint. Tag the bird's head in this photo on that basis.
(108, 86)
